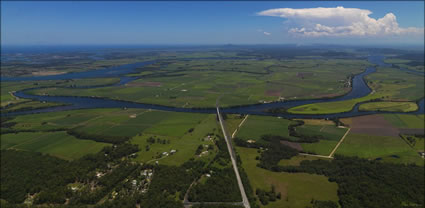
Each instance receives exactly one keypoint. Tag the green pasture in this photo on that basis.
(386, 83)
(389, 106)
(198, 83)
(58, 144)
(257, 126)
(8, 87)
(297, 189)
(323, 147)
(373, 147)
(329, 132)
(184, 142)
(406, 121)
(296, 160)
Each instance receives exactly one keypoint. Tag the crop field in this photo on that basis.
(406, 121)
(329, 132)
(29, 105)
(8, 87)
(297, 189)
(323, 147)
(58, 144)
(183, 132)
(389, 106)
(386, 83)
(198, 83)
(296, 160)
(185, 143)
(405, 63)
(112, 122)
(386, 148)
(257, 126)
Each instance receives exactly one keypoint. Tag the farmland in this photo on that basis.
(387, 84)
(291, 185)
(57, 144)
(392, 149)
(154, 158)
(198, 83)
(389, 106)
(257, 126)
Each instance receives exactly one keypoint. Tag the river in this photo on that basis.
(359, 89)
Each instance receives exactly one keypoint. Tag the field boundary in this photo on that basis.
(339, 143)
(242, 122)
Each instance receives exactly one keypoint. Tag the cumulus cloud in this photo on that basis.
(339, 21)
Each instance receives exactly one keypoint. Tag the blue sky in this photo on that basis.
(50, 23)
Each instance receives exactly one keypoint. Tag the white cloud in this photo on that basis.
(339, 21)
(266, 33)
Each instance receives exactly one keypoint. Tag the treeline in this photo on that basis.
(216, 206)
(268, 196)
(364, 183)
(322, 204)
(247, 186)
(25, 172)
(303, 138)
(28, 172)
(220, 187)
(275, 151)
(222, 157)
(98, 138)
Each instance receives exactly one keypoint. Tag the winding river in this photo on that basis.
(359, 89)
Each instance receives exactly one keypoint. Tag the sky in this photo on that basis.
(150, 23)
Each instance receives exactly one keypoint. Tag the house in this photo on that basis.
(99, 174)
(207, 175)
(173, 151)
(250, 141)
(165, 153)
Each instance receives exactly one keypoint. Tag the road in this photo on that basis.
(232, 157)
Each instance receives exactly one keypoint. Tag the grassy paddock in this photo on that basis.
(387, 148)
(256, 126)
(406, 121)
(389, 106)
(297, 189)
(58, 144)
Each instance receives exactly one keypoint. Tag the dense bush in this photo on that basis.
(275, 152)
(364, 183)
(98, 138)
(222, 186)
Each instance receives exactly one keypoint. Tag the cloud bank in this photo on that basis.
(339, 21)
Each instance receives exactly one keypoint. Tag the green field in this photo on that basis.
(386, 84)
(406, 121)
(329, 132)
(297, 189)
(136, 124)
(8, 87)
(198, 83)
(384, 147)
(296, 160)
(257, 126)
(389, 106)
(323, 147)
(404, 63)
(185, 143)
(58, 144)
